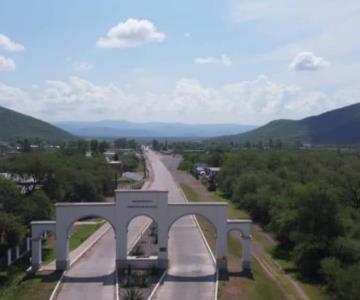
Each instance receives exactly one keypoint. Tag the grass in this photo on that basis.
(140, 167)
(233, 211)
(15, 283)
(32, 287)
(190, 194)
(82, 233)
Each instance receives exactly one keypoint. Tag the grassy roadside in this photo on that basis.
(256, 286)
(15, 283)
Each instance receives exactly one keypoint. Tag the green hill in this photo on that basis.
(14, 125)
(336, 127)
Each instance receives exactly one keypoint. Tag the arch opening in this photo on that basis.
(235, 251)
(142, 232)
(48, 246)
(84, 230)
(88, 219)
(189, 246)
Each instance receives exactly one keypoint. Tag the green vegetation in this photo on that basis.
(130, 161)
(123, 143)
(43, 179)
(15, 283)
(31, 286)
(340, 126)
(310, 201)
(14, 126)
(190, 194)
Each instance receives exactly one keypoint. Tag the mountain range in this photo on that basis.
(112, 128)
(336, 127)
(14, 125)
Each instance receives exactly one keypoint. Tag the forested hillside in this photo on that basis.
(14, 125)
(336, 127)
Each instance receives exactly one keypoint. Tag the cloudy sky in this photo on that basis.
(203, 61)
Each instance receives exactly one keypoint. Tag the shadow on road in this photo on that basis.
(224, 276)
(207, 278)
(108, 279)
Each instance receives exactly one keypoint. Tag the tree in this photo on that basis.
(11, 230)
(94, 146)
(103, 146)
(10, 197)
(38, 207)
(120, 143)
(155, 145)
(342, 283)
(132, 144)
(25, 146)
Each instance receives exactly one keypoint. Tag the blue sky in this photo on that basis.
(242, 61)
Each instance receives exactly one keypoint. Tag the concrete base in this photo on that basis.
(35, 268)
(163, 263)
(62, 265)
(246, 265)
(121, 264)
(221, 264)
(142, 263)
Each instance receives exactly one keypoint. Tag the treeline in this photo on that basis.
(213, 157)
(309, 200)
(35, 181)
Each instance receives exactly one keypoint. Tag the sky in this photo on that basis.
(203, 61)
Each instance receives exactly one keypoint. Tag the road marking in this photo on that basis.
(53, 294)
(157, 285)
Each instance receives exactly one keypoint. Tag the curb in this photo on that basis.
(117, 296)
(55, 290)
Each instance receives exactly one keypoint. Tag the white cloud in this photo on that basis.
(254, 101)
(222, 60)
(131, 33)
(13, 97)
(308, 61)
(83, 67)
(7, 44)
(7, 64)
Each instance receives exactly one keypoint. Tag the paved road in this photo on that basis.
(191, 274)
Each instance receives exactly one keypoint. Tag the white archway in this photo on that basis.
(128, 205)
